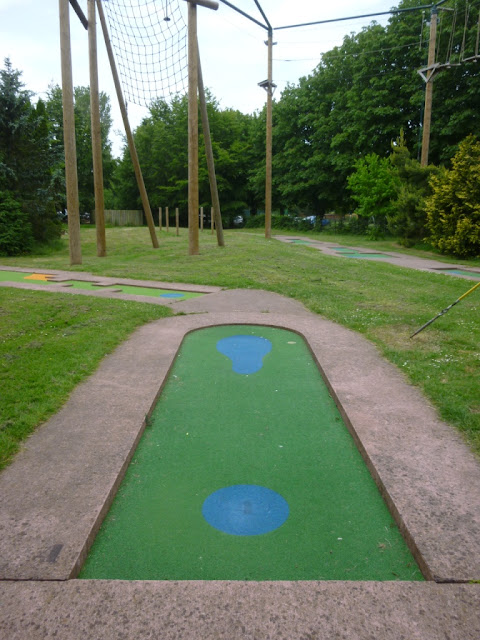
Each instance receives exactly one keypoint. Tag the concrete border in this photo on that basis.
(58, 489)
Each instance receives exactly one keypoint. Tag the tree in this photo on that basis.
(162, 145)
(15, 230)
(373, 186)
(83, 140)
(26, 173)
(453, 209)
(408, 219)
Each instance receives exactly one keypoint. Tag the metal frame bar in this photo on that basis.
(76, 7)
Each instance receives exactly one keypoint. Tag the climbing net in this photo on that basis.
(149, 38)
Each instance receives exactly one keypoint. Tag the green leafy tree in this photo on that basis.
(373, 186)
(453, 209)
(15, 230)
(162, 145)
(83, 142)
(408, 219)
(26, 158)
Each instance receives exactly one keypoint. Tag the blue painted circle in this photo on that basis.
(245, 510)
(171, 295)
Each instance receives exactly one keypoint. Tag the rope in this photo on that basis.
(149, 38)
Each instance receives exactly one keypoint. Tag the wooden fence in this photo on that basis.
(124, 218)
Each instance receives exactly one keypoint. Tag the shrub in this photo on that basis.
(373, 187)
(409, 218)
(453, 209)
(15, 229)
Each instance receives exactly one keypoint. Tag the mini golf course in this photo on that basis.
(460, 272)
(354, 253)
(246, 471)
(43, 278)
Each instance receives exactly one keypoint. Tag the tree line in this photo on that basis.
(351, 127)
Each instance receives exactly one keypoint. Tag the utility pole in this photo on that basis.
(69, 136)
(96, 133)
(268, 154)
(193, 198)
(427, 116)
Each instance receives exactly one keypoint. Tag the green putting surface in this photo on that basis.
(352, 253)
(460, 272)
(40, 278)
(134, 290)
(265, 422)
(21, 276)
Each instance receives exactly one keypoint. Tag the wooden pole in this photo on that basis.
(211, 222)
(193, 243)
(71, 178)
(209, 154)
(167, 220)
(427, 114)
(128, 131)
(177, 220)
(96, 133)
(268, 158)
(160, 218)
(201, 218)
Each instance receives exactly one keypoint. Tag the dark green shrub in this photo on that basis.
(15, 229)
(453, 209)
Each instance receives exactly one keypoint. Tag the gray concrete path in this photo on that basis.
(398, 259)
(57, 491)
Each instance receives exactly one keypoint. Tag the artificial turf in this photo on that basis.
(276, 428)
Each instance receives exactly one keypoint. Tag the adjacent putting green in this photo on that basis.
(353, 253)
(247, 472)
(42, 278)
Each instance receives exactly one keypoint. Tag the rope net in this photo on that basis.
(149, 39)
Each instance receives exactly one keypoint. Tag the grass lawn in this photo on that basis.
(49, 343)
(383, 302)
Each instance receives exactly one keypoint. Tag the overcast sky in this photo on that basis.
(234, 56)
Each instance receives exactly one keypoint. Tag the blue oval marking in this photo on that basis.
(245, 510)
(245, 352)
(171, 295)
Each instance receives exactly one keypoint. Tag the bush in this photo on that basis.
(453, 209)
(373, 187)
(409, 218)
(15, 230)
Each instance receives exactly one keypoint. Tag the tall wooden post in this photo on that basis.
(160, 218)
(96, 133)
(167, 220)
(427, 115)
(209, 154)
(177, 221)
(128, 131)
(71, 178)
(268, 155)
(193, 198)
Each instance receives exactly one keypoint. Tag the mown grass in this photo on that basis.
(383, 302)
(48, 344)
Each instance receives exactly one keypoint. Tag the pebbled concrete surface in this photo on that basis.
(239, 611)
(55, 494)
